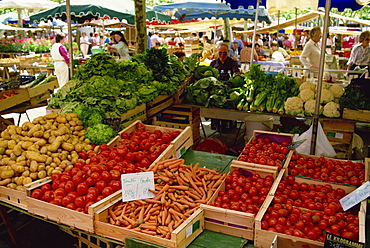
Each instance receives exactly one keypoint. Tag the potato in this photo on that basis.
(5, 181)
(41, 174)
(27, 126)
(17, 150)
(26, 173)
(33, 175)
(20, 188)
(62, 156)
(61, 119)
(27, 180)
(39, 133)
(17, 168)
(55, 144)
(2, 150)
(57, 161)
(11, 144)
(68, 146)
(8, 173)
(33, 166)
(56, 171)
(46, 135)
(52, 115)
(50, 171)
(19, 180)
(34, 148)
(34, 129)
(11, 129)
(33, 155)
(26, 144)
(3, 144)
(53, 164)
(69, 167)
(78, 128)
(5, 135)
(16, 137)
(12, 186)
(43, 150)
(48, 160)
(71, 115)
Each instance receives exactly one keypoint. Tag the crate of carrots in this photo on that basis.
(171, 218)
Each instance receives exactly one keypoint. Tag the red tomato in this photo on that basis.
(115, 185)
(66, 200)
(115, 174)
(125, 135)
(82, 189)
(48, 196)
(60, 192)
(80, 202)
(166, 137)
(70, 186)
(37, 194)
(106, 176)
(45, 187)
(107, 191)
(100, 185)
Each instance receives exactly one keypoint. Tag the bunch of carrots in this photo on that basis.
(179, 190)
(8, 94)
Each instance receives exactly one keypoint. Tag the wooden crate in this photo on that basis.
(338, 136)
(178, 96)
(357, 115)
(180, 144)
(181, 237)
(40, 98)
(264, 238)
(157, 105)
(13, 197)
(21, 97)
(280, 241)
(231, 222)
(42, 89)
(67, 216)
(138, 113)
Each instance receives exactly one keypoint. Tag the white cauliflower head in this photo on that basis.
(331, 109)
(309, 107)
(294, 106)
(337, 90)
(307, 85)
(306, 94)
(326, 96)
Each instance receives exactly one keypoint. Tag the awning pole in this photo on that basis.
(254, 31)
(70, 50)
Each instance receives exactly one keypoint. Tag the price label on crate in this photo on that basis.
(335, 241)
(136, 186)
(356, 196)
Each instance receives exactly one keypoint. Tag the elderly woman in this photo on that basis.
(310, 56)
(360, 54)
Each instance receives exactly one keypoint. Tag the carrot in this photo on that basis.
(209, 195)
(141, 215)
(122, 221)
(165, 188)
(180, 180)
(187, 198)
(153, 201)
(164, 178)
(193, 184)
(179, 187)
(174, 215)
(174, 212)
(213, 171)
(154, 168)
(149, 232)
(163, 198)
(111, 221)
(168, 219)
(132, 222)
(183, 177)
(216, 177)
(112, 214)
(196, 166)
(186, 202)
(171, 196)
(204, 184)
(218, 182)
(148, 207)
(198, 182)
(170, 226)
(178, 223)
(149, 226)
(200, 201)
(196, 197)
(168, 173)
(137, 210)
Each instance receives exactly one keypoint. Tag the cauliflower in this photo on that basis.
(337, 90)
(331, 109)
(326, 96)
(294, 106)
(306, 94)
(307, 85)
(309, 107)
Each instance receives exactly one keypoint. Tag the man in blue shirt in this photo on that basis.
(238, 38)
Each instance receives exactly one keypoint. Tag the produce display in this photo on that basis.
(264, 151)
(104, 87)
(328, 170)
(244, 191)
(309, 211)
(356, 96)
(97, 174)
(48, 145)
(8, 94)
(179, 190)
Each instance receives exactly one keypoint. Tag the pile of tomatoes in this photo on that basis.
(98, 174)
(309, 211)
(263, 151)
(244, 193)
(328, 170)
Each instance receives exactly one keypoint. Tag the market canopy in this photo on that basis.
(194, 10)
(200, 24)
(27, 4)
(82, 10)
(273, 5)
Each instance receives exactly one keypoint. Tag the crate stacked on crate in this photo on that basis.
(13, 97)
(266, 229)
(229, 219)
(157, 105)
(42, 92)
(340, 134)
(181, 116)
(138, 113)
(271, 148)
(178, 96)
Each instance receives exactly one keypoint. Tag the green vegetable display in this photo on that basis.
(100, 134)
(38, 79)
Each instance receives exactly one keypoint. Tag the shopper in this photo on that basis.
(310, 56)
(279, 53)
(61, 60)
(120, 46)
(360, 54)
(84, 44)
(235, 52)
(260, 51)
(224, 62)
(287, 44)
(245, 54)
(238, 38)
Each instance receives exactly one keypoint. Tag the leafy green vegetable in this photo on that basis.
(100, 134)
(205, 71)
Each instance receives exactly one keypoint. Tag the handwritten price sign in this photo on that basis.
(136, 186)
(356, 196)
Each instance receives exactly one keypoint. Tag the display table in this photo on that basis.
(33, 69)
(273, 63)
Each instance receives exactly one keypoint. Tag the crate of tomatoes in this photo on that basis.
(73, 196)
(304, 210)
(267, 150)
(238, 199)
(328, 169)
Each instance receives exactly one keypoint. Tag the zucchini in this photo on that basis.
(47, 80)
(38, 80)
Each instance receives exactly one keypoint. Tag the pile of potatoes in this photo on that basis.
(49, 144)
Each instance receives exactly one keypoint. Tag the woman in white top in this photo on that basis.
(61, 60)
(360, 53)
(84, 44)
(120, 46)
(310, 56)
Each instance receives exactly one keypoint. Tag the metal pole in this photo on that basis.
(254, 31)
(315, 118)
(70, 50)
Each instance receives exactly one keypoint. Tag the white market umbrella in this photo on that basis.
(26, 4)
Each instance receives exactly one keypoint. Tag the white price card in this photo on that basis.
(136, 186)
(360, 194)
